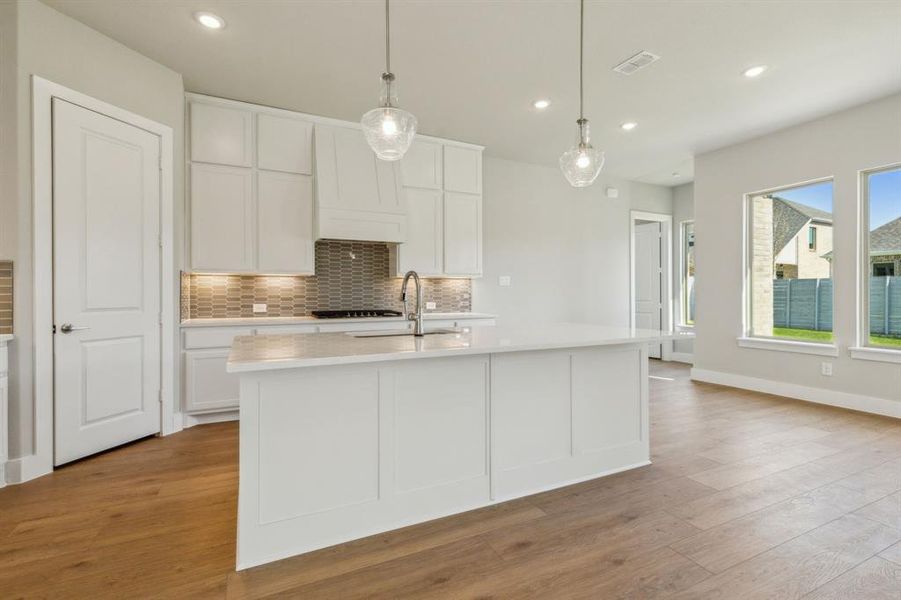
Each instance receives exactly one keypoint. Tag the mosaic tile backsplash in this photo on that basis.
(6, 296)
(349, 275)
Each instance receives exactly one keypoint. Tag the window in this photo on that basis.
(688, 273)
(882, 234)
(789, 290)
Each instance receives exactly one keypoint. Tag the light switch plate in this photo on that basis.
(431, 305)
(504, 280)
(259, 308)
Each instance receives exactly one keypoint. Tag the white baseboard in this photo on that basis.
(26, 468)
(682, 357)
(205, 418)
(869, 404)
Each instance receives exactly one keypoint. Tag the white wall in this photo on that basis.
(838, 145)
(683, 210)
(66, 52)
(566, 249)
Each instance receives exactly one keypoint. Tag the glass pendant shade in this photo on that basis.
(389, 130)
(582, 163)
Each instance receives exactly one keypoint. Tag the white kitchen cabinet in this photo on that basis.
(208, 387)
(462, 169)
(423, 165)
(442, 184)
(462, 234)
(423, 251)
(358, 196)
(251, 190)
(284, 144)
(222, 208)
(221, 135)
(284, 223)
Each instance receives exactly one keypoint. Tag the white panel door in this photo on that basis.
(285, 223)
(462, 234)
(106, 281)
(423, 251)
(649, 279)
(222, 237)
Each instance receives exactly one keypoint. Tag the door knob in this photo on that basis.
(69, 328)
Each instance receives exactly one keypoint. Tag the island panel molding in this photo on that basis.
(344, 437)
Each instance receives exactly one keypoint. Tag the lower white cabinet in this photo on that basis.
(4, 414)
(208, 387)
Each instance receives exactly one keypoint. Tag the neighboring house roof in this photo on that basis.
(886, 239)
(789, 217)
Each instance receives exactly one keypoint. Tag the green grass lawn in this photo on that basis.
(826, 336)
(803, 334)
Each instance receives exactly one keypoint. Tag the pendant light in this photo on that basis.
(389, 130)
(582, 163)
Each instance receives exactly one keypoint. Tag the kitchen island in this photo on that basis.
(344, 436)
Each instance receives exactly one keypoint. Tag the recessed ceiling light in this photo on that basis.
(209, 20)
(541, 104)
(754, 71)
(629, 125)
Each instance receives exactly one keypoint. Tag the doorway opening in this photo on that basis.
(651, 277)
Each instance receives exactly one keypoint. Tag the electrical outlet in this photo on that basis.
(259, 308)
(504, 280)
(431, 305)
(826, 369)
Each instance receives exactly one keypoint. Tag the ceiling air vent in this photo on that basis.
(639, 61)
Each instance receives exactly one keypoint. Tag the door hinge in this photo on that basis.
(159, 239)
(160, 396)
(160, 318)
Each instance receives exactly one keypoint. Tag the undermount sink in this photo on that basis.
(400, 332)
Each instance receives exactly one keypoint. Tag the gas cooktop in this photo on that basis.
(351, 314)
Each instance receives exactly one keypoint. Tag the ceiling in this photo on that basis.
(470, 69)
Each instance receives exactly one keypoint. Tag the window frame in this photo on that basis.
(747, 339)
(863, 349)
(812, 238)
(683, 274)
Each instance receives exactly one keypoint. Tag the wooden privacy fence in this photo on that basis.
(807, 304)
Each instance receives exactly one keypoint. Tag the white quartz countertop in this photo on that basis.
(288, 351)
(263, 321)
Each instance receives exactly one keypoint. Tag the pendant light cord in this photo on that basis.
(581, 52)
(387, 38)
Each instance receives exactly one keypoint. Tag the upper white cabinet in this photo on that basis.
(462, 169)
(462, 234)
(222, 209)
(284, 144)
(285, 223)
(423, 165)
(358, 196)
(221, 135)
(442, 184)
(251, 188)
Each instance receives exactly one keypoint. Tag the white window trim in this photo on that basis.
(875, 353)
(747, 340)
(798, 347)
(863, 350)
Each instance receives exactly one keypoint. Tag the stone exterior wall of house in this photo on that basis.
(894, 259)
(761, 250)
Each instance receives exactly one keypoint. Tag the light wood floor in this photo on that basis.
(749, 496)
